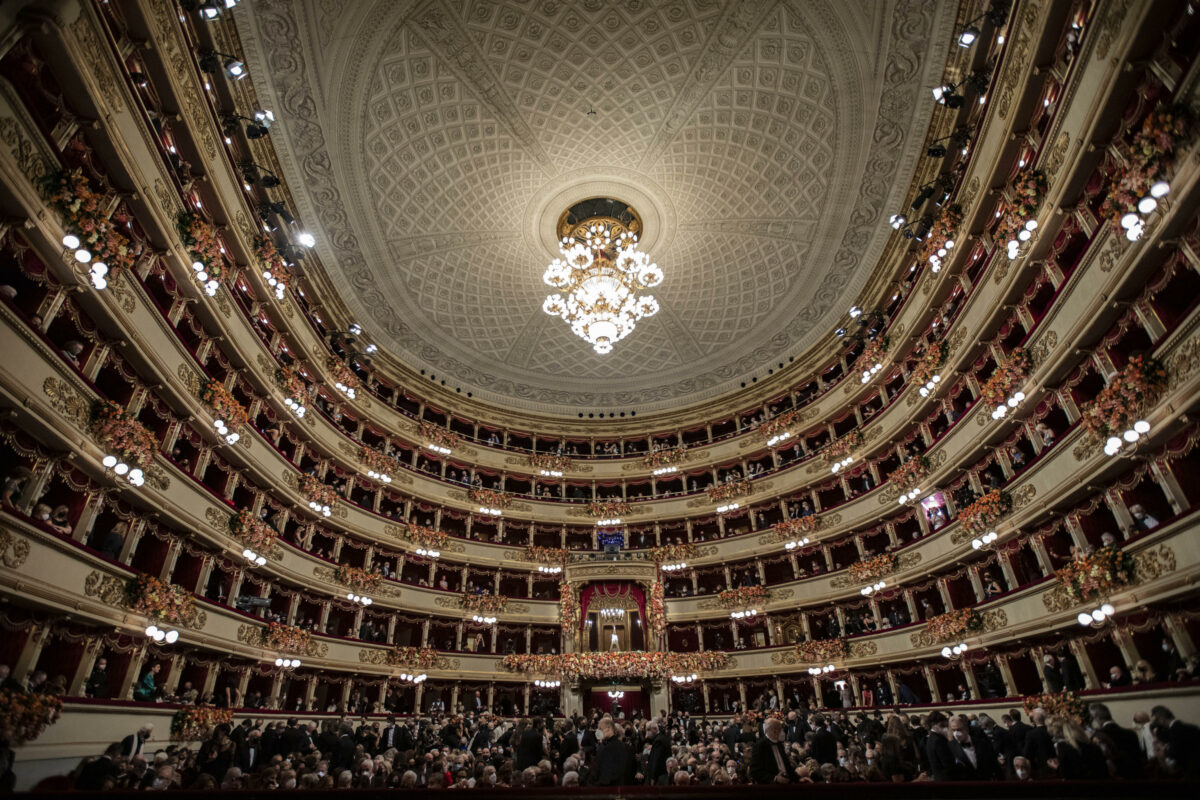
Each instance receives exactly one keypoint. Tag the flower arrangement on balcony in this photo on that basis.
(675, 552)
(25, 715)
(1136, 187)
(1016, 227)
(724, 492)
(874, 354)
(779, 424)
(123, 439)
(955, 624)
(490, 498)
(608, 509)
(344, 379)
(320, 497)
(286, 638)
(488, 605)
(208, 256)
(822, 651)
(666, 457)
(617, 664)
(551, 462)
(743, 596)
(568, 608)
(293, 386)
(412, 657)
(426, 538)
(656, 609)
(1010, 374)
(1059, 703)
(224, 405)
(841, 449)
(545, 555)
(159, 600)
(380, 466)
(792, 529)
(358, 579)
(983, 514)
(910, 474)
(1098, 575)
(872, 569)
(251, 531)
(92, 235)
(925, 373)
(1119, 405)
(941, 238)
(191, 723)
(438, 436)
(272, 263)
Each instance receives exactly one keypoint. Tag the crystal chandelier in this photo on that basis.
(599, 278)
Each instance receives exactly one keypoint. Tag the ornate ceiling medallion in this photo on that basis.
(601, 272)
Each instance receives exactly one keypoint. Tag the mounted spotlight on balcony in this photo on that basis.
(287, 663)
(985, 542)
(412, 678)
(878, 586)
(253, 558)
(792, 545)
(158, 634)
(208, 9)
(132, 474)
(359, 599)
(491, 512)
(909, 496)
(842, 464)
(1128, 440)
(995, 16)
(667, 470)
(426, 552)
(954, 653)
(1098, 617)
(825, 670)
(214, 63)
(480, 619)
(728, 507)
(748, 613)
(253, 173)
(778, 438)
(1014, 400)
(930, 385)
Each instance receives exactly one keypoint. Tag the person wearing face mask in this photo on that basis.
(975, 759)
(1022, 769)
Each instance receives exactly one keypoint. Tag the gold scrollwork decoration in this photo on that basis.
(67, 401)
(13, 549)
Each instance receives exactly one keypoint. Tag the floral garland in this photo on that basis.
(23, 716)
(664, 458)
(118, 433)
(842, 446)
(983, 514)
(822, 651)
(286, 638)
(545, 555)
(791, 529)
(874, 352)
(1128, 393)
(872, 569)
(427, 538)
(357, 578)
(729, 491)
(674, 553)
(191, 723)
(340, 373)
(159, 600)
(82, 209)
(955, 624)
(316, 491)
(931, 361)
(1066, 704)
(1151, 159)
(656, 609)
(743, 596)
(490, 497)
(488, 604)
(419, 657)
(437, 435)
(1010, 373)
(376, 461)
(549, 461)
(1028, 191)
(617, 664)
(251, 531)
(944, 231)
(200, 239)
(779, 423)
(568, 609)
(607, 509)
(224, 405)
(909, 474)
(265, 250)
(289, 381)
(1098, 575)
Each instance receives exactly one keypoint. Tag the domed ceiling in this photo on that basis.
(431, 147)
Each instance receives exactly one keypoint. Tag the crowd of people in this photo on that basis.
(479, 750)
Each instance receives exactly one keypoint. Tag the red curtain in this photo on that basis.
(599, 591)
(633, 700)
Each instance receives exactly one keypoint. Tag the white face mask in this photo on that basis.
(1022, 774)
(961, 735)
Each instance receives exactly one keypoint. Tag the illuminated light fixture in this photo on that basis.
(1023, 237)
(684, 678)
(878, 586)
(549, 570)
(287, 663)
(279, 286)
(482, 620)
(1097, 616)
(412, 678)
(306, 239)
(437, 448)
(492, 512)
(985, 542)
(1131, 436)
(428, 553)
(779, 437)
(134, 475)
(910, 496)
(664, 470)
(796, 543)
(294, 407)
(157, 634)
(344, 389)
(821, 670)
(956, 652)
(897, 221)
(608, 523)
(611, 613)
(320, 508)
(253, 558)
(930, 385)
(550, 473)
(748, 613)
(1014, 400)
(674, 567)
(935, 259)
(379, 476)
(840, 465)
(855, 311)
(265, 117)
(355, 329)
(616, 694)
(601, 273)
(214, 62)
(359, 599)
(223, 431)
(968, 36)
(547, 684)
(728, 507)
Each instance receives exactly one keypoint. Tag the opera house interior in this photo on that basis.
(540, 394)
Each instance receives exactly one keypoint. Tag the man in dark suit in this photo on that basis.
(98, 681)
(1181, 740)
(937, 748)
(612, 756)
(768, 760)
(795, 729)
(973, 755)
(345, 747)
(569, 745)
(1051, 673)
(1017, 729)
(95, 773)
(1123, 744)
(250, 752)
(293, 739)
(732, 735)
(389, 737)
(660, 751)
(134, 744)
(824, 743)
(1039, 746)
(531, 749)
